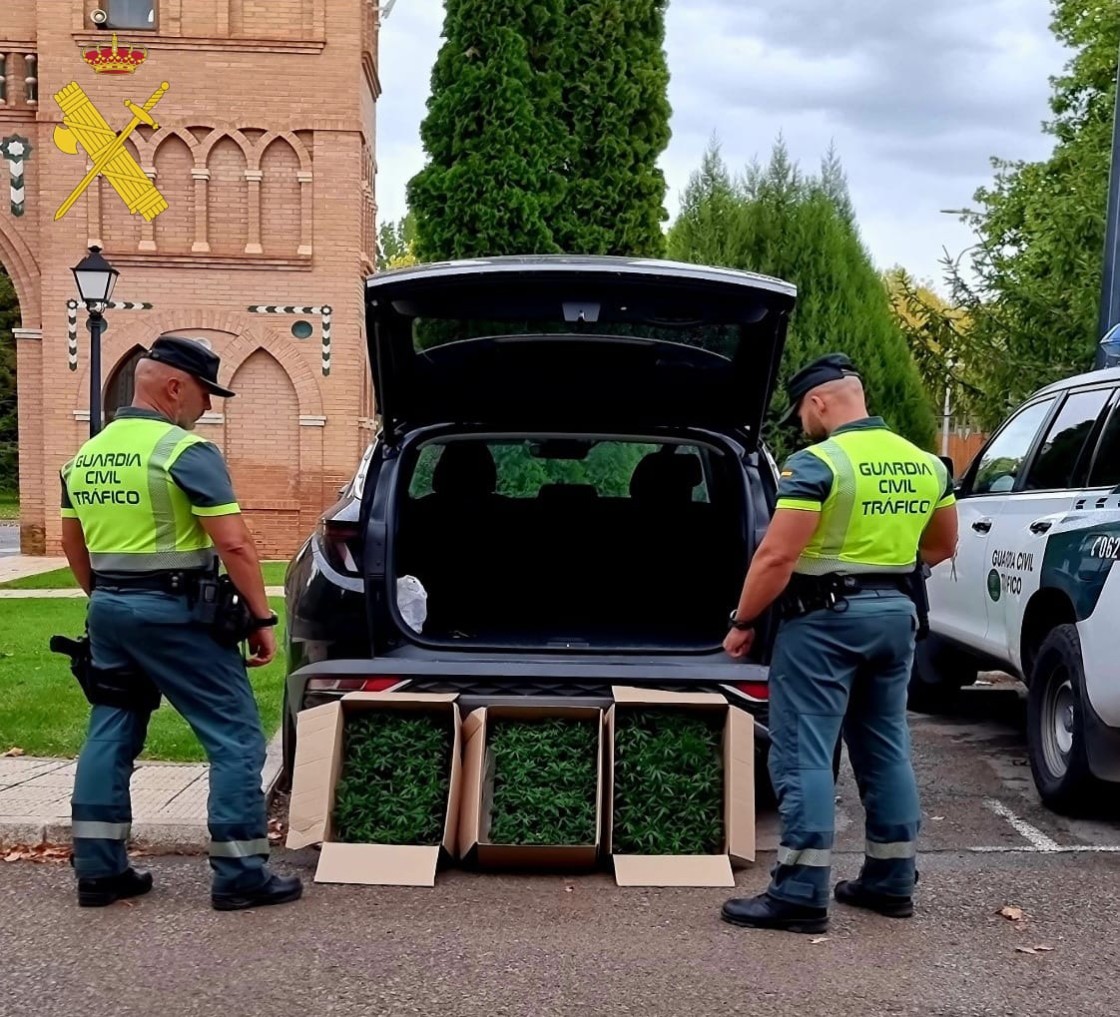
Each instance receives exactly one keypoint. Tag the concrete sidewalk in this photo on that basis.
(17, 566)
(168, 801)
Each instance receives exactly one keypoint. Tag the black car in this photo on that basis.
(568, 466)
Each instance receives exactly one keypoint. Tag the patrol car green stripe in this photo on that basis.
(843, 498)
(163, 514)
(231, 509)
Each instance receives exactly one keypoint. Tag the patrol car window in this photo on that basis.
(1059, 463)
(999, 465)
(1106, 467)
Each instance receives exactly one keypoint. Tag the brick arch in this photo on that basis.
(296, 145)
(22, 267)
(246, 337)
(185, 136)
(253, 338)
(217, 134)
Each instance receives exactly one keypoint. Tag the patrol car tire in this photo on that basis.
(937, 676)
(1056, 724)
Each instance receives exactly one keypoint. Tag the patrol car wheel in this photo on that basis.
(1055, 723)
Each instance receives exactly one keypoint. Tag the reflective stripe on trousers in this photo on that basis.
(239, 848)
(92, 829)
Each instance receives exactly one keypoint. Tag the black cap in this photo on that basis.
(191, 356)
(831, 367)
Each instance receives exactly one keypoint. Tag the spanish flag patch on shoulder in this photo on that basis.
(787, 473)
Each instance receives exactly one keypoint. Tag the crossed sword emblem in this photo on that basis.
(82, 125)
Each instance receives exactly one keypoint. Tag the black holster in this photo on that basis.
(806, 594)
(223, 609)
(920, 595)
(125, 688)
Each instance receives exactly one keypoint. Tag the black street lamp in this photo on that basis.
(95, 278)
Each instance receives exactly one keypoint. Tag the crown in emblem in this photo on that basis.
(115, 59)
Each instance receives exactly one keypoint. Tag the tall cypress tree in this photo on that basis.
(491, 181)
(544, 128)
(801, 229)
(616, 116)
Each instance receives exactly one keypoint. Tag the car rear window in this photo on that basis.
(598, 468)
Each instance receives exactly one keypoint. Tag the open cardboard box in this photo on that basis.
(318, 766)
(738, 796)
(478, 794)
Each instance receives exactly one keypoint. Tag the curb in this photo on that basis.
(169, 836)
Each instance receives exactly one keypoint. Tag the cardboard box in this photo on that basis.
(738, 796)
(318, 765)
(478, 792)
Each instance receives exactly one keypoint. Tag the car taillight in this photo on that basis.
(380, 684)
(756, 690)
(341, 544)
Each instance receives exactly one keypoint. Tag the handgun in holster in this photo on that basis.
(123, 687)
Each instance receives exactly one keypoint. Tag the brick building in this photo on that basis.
(265, 157)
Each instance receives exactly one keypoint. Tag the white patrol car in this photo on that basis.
(1033, 589)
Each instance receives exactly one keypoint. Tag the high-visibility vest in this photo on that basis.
(884, 492)
(134, 516)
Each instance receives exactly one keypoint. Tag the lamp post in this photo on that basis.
(95, 278)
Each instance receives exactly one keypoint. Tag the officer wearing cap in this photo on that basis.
(855, 511)
(147, 511)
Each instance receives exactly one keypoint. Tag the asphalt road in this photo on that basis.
(506, 945)
(9, 539)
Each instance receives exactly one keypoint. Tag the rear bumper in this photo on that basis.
(541, 680)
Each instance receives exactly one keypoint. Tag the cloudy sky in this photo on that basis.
(916, 98)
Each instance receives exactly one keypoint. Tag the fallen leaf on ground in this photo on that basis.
(1044, 949)
(14, 751)
(1025, 949)
(819, 939)
(275, 831)
(1012, 913)
(569, 889)
(39, 853)
(937, 819)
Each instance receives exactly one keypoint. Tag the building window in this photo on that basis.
(302, 330)
(131, 14)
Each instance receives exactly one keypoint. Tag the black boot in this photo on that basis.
(278, 890)
(852, 892)
(98, 893)
(766, 912)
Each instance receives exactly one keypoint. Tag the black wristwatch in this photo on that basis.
(264, 623)
(742, 626)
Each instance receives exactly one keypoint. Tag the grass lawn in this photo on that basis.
(43, 711)
(9, 505)
(63, 579)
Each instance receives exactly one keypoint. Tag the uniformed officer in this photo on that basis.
(148, 508)
(854, 512)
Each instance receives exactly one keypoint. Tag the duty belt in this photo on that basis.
(178, 582)
(806, 594)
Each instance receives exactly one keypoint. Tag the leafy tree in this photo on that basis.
(9, 319)
(396, 242)
(1037, 265)
(615, 113)
(492, 178)
(779, 222)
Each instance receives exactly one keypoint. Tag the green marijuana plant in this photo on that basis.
(545, 778)
(396, 773)
(668, 783)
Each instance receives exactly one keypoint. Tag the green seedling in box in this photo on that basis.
(668, 783)
(396, 772)
(545, 782)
